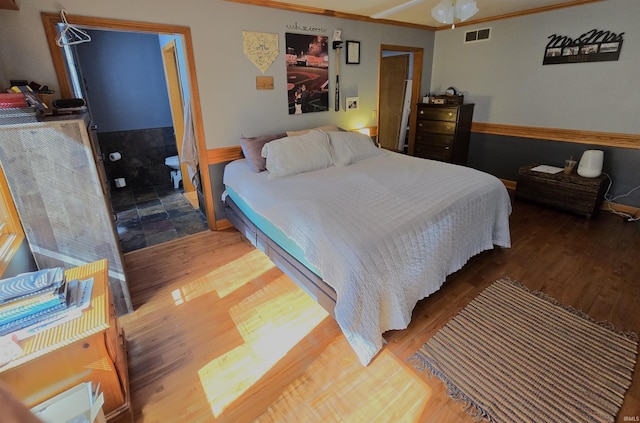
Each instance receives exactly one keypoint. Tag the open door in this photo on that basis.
(416, 76)
(176, 100)
(393, 75)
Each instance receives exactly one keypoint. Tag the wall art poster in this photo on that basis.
(592, 46)
(307, 73)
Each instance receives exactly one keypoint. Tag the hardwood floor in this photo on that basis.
(221, 335)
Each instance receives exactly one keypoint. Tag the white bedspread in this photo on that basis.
(384, 232)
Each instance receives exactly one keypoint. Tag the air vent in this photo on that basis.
(477, 35)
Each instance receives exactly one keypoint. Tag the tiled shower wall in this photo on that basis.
(143, 152)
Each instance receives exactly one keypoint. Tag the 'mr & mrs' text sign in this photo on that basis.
(592, 46)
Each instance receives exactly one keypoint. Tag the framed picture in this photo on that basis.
(353, 52)
(307, 73)
(352, 103)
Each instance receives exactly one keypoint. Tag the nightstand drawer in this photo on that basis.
(441, 113)
(436, 126)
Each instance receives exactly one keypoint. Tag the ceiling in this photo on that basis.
(418, 14)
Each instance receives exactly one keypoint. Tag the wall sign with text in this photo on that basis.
(592, 46)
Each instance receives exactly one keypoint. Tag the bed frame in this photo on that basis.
(324, 294)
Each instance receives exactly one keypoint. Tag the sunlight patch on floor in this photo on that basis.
(225, 280)
(271, 321)
(333, 385)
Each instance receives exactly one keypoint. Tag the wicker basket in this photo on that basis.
(454, 99)
(448, 99)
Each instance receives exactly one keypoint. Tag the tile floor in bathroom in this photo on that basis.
(153, 215)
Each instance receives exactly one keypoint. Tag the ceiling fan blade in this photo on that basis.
(395, 9)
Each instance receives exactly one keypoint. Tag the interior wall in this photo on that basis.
(231, 104)
(506, 80)
(125, 81)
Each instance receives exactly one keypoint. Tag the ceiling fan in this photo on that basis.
(445, 12)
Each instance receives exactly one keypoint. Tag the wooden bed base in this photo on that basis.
(324, 294)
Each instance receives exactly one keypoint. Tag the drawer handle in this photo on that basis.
(449, 128)
(422, 112)
(447, 148)
(450, 113)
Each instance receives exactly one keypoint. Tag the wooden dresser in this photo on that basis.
(91, 348)
(443, 132)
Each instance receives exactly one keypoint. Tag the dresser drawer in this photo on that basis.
(434, 140)
(436, 126)
(439, 113)
(443, 153)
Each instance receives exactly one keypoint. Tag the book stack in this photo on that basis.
(35, 301)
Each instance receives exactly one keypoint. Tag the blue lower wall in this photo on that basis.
(502, 156)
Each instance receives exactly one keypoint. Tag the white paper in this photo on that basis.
(75, 405)
(547, 169)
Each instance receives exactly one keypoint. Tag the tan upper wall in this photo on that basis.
(506, 79)
(231, 105)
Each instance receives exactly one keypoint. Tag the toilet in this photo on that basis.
(174, 163)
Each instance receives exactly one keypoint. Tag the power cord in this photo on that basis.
(628, 217)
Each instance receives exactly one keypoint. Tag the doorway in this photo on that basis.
(399, 86)
(181, 34)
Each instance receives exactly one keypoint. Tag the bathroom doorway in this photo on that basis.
(149, 202)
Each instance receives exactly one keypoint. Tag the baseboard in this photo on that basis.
(621, 208)
(510, 185)
(223, 224)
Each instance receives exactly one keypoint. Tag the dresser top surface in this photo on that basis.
(93, 320)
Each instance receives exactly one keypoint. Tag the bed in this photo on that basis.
(367, 232)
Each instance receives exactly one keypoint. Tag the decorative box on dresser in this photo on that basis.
(443, 132)
(91, 348)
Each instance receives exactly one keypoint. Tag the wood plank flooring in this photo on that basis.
(221, 335)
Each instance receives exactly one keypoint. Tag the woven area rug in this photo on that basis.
(512, 355)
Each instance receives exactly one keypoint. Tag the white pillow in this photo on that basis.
(328, 127)
(298, 154)
(350, 147)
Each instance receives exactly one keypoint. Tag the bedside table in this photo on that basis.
(572, 193)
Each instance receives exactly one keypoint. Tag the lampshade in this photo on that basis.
(443, 12)
(447, 10)
(465, 9)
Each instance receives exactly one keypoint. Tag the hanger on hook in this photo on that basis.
(70, 35)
